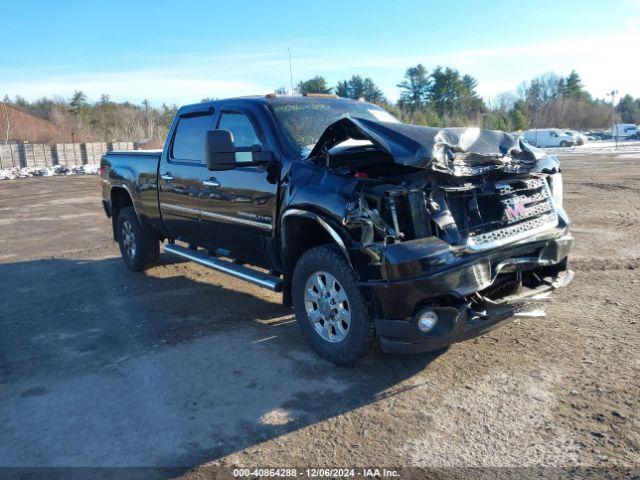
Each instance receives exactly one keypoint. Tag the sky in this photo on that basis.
(181, 52)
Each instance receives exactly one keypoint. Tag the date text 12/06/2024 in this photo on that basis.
(315, 472)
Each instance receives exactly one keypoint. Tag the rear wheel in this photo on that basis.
(330, 308)
(140, 249)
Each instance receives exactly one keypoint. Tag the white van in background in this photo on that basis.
(548, 137)
(626, 130)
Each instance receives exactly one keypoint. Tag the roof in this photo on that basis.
(264, 99)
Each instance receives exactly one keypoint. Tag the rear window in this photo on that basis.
(188, 144)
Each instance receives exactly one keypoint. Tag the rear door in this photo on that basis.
(238, 205)
(180, 183)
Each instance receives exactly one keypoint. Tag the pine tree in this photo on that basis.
(414, 89)
(572, 87)
(518, 115)
(317, 84)
(357, 87)
(372, 93)
(629, 109)
(78, 102)
(342, 89)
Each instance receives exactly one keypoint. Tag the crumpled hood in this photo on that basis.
(455, 151)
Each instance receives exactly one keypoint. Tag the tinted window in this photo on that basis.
(244, 135)
(190, 137)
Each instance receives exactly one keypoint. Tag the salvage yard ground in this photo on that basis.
(100, 366)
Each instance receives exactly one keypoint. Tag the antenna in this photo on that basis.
(290, 70)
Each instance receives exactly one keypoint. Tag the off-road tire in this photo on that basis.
(360, 339)
(147, 246)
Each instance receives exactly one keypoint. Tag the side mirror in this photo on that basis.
(219, 150)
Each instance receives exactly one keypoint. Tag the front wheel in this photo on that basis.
(330, 308)
(564, 143)
(140, 249)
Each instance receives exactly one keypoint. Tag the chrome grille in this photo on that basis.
(512, 233)
(536, 197)
(505, 188)
(503, 212)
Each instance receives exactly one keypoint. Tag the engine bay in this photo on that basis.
(472, 188)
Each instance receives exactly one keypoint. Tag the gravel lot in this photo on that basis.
(181, 366)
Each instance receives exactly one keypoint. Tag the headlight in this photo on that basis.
(555, 184)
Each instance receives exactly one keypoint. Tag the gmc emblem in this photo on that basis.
(515, 209)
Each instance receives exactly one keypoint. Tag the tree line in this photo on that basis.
(444, 97)
(439, 97)
(104, 120)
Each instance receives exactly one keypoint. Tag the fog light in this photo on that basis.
(427, 320)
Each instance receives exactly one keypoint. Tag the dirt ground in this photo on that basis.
(181, 366)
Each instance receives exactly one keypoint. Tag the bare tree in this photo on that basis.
(7, 116)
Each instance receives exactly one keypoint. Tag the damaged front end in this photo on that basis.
(464, 227)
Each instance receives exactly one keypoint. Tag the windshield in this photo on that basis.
(304, 122)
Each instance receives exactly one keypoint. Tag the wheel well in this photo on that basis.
(120, 199)
(300, 235)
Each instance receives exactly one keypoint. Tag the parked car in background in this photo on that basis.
(595, 134)
(549, 137)
(579, 138)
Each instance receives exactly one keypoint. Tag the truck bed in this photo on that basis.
(136, 153)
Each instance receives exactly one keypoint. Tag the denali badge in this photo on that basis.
(516, 209)
(260, 218)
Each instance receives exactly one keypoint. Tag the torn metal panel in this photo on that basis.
(370, 222)
(455, 151)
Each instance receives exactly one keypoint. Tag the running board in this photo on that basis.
(239, 271)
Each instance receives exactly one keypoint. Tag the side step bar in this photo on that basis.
(240, 271)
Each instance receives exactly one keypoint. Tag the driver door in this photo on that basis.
(238, 205)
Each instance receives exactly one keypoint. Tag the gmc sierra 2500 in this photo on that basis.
(376, 232)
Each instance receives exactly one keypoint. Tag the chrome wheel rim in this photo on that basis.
(128, 239)
(327, 306)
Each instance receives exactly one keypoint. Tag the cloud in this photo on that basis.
(604, 62)
(156, 86)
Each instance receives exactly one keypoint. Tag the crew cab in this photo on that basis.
(377, 233)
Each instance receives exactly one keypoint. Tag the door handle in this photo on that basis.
(167, 176)
(212, 182)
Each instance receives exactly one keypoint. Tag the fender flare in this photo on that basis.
(322, 222)
(126, 189)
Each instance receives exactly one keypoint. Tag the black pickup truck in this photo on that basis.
(376, 232)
